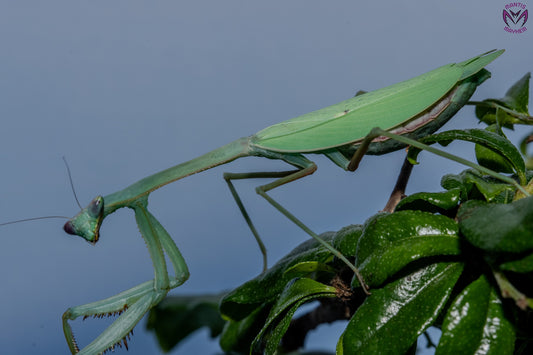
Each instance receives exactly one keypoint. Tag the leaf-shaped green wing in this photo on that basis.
(352, 119)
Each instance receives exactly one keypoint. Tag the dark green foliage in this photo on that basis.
(476, 322)
(391, 318)
(498, 227)
(296, 293)
(472, 186)
(177, 317)
(515, 104)
(265, 288)
(490, 140)
(392, 241)
(491, 159)
(434, 202)
(459, 259)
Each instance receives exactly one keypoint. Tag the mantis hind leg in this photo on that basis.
(352, 163)
(306, 167)
(255, 175)
(401, 183)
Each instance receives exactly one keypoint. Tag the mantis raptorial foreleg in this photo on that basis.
(132, 304)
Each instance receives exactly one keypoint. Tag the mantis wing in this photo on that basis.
(352, 119)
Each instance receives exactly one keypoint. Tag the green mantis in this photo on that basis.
(343, 132)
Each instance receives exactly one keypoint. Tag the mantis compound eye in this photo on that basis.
(69, 228)
(96, 207)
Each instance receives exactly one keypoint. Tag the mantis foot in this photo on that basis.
(130, 306)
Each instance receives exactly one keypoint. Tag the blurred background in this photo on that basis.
(124, 89)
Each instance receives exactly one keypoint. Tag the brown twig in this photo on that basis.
(399, 189)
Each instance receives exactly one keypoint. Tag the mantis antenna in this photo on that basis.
(31, 219)
(71, 183)
(50, 217)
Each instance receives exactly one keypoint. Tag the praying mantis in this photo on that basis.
(343, 132)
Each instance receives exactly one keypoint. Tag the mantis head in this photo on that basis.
(87, 223)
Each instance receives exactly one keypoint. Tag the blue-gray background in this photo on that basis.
(126, 88)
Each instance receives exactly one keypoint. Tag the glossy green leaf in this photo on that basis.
(345, 239)
(522, 265)
(474, 186)
(237, 336)
(293, 296)
(498, 227)
(484, 138)
(391, 241)
(491, 159)
(476, 324)
(265, 288)
(307, 267)
(391, 318)
(434, 202)
(524, 149)
(176, 317)
(516, 99)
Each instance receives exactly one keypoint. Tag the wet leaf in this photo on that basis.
(475, 186)
(476, 324)
(434, 202)
(522, 265)
(498, 227)
(392, 241)
(391, 318)
(307, 267)
(237, 336)
(293, 296)
(516, 100)
(491, 159)
(266, 287)
(523, 148)
(487, 139)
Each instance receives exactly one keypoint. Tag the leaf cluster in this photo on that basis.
(460, 259)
